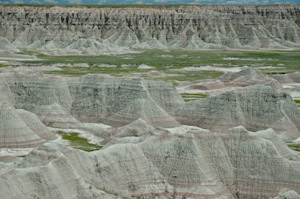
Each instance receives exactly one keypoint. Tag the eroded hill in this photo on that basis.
(60, 31)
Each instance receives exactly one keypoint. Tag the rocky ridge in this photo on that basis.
(200, 164)
(255, 107)
(246, 77)
(232, 148)
(61, 31)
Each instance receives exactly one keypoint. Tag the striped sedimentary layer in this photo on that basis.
(47, 97)
(92, 98)
(60, 102)
(243, 78)
(21, 129)
(288, 78)
(255, 107)
(200, 164)
(46, 173)
(61, 31)
(35, 124)
(119, 101)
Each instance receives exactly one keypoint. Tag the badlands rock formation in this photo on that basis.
(148, 152)
(203, 164)
(255, 107)
(246, 77)
(60, 31)
(291, 83)
(287, 193)
(49, 98)
(60, 102)
(118, 101)
(288, 78)
(21, 129)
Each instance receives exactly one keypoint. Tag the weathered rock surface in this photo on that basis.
(62, 31)
(46, 173)
(142, 158)
(245, 77)
(203, 164)
(119, 101)
(255, 107)
(291, 83)
(288, 78)
(21, 129)
(5, 45)
(48, 97)
(287, 194)
(60, 102)
(64, 103)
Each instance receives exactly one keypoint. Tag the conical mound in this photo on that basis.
(120, 101)
(36, 125)
(14, 132)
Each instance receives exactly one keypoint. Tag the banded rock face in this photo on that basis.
(287, 194)
(288, 78)
(47, 173)
(291, 83)
(203, 164)
(120, 101)
(246, 77)
(106, 30)
(48, 97)
(59, 102)
(255, 107)
(21, 129)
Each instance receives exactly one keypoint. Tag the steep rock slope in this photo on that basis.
(46, 173)
(21, 129)
(246, 77)
(48, 97)
(255, 107)
(288, 78)
(229, 164)
(119, 101)
(291, 83)
(92, 31)
(60, 102)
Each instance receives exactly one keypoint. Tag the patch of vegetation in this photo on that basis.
(24, 51)
(172, 62)
(297, 102)
(179, 58)
(294, 146)
(192, 96)
(78, 142)
(2, 66)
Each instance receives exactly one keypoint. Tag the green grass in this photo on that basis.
(177, 60)
(297, 102)
(79, 142)
(295, 147)
(192, 96)
(169, 61)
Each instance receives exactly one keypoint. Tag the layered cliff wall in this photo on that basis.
(97, 30)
